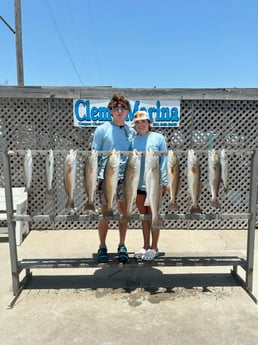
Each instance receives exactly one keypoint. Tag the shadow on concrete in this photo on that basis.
(4, 239)
(131, 278)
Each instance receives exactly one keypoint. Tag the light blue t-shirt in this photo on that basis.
(156, 142)
(108, 137)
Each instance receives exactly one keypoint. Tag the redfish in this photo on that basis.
(173, 178)
(214, 176)
(69, 177)
(193, 180)
(90, 179)
(153, 189)
(131, 180)
(111, 174)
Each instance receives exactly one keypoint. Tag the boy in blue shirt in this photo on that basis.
(144, 140)
(113, 135)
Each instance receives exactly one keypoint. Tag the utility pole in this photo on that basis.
(18, 36)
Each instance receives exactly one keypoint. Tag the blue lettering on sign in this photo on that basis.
(86, 114)
(83, 112)
(174, 114)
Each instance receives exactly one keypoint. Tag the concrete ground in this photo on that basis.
(120, 306)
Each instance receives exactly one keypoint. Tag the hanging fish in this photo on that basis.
(131, 180)
(49, 170)
(28, 165)
(90, 179)
(111, 173)
(214, 176)
(69, 177)
(193, 180)
(224, 168)
(173, 178)
(153, 189)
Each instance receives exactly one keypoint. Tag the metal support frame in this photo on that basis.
(247, 264)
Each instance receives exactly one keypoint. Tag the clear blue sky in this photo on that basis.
(134, 43)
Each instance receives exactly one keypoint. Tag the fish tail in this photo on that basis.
(50, 191)
(215, 203)
(90, 207)
(174, 205)
(155, 226)
(126, 217)
(70, 203)
(147, 202)
(196, 209)
(225, 189)
(156, 223)
(108, 212)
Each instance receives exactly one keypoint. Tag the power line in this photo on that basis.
(64, 44)
(9, 26)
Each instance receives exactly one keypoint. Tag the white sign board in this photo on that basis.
(92, 113)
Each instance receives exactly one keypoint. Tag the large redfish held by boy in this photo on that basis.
(131, 180)
(111, 174)
(153, 188)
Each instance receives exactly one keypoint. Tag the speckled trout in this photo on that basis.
(173, 178)
(28, 164)
(131, 180)
(69, 177)
(90, 179)
(49, 170)
(153, 189)
(224, 169)
(111, 174)
(193, 180)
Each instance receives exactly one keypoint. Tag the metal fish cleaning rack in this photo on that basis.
(40, 118)
(248, 216)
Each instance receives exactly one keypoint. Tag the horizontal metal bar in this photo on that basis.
(126, 153)
(95, 217)
(159, 262)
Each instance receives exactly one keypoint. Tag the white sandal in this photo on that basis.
(140, 253)
(150, 254)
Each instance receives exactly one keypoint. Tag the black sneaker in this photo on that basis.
(102, 255)
(122, 253)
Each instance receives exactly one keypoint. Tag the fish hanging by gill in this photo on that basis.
(214, 176)
(111, 174)
(173, 178)
(90, 179)
(152, 183)
(193, 180)
(28, 165)
(224, 169)
(49, 170)
(131, 180)
(69, 177)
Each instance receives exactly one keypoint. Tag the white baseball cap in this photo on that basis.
(141, 115)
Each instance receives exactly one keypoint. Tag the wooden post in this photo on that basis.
(19, 54)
